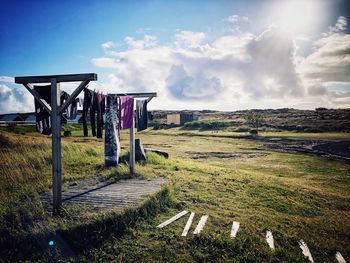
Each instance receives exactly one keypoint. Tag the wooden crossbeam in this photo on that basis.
(59, 78)
(138, 94)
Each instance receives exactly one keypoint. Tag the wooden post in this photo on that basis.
(55, 112)
(132, 146)
(56, 145)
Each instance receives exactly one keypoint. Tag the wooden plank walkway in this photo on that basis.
(122, 194)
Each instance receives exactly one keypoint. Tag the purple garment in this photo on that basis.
(126, 111)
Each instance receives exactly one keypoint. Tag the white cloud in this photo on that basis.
(328, 63)
(147, 42)
(189, 38)
(15, 100)
(236, 19)
(7, 79)
(234, 70)
(105, 62)
(108, 45)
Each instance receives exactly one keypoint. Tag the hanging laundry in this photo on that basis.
(43, 118)
(88, 104)
(73, 109)
(99, 108)
(112, 145)
(64, 98)
(141, 115)
(126, 112)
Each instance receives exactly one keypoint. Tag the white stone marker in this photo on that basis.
(174, 218)
(188, 225)
(269, 239)
(234, 229)
(339, 258)
(306, 250)
(201, 224)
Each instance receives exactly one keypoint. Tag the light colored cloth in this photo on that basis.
(126, 111)
(112, 145)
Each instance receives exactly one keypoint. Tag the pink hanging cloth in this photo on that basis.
(126, 110)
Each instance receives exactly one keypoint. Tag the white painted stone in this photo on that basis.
(306, 250)
(234, 229)
(174, 218)
(188, 225)
(339, 258)
(269, 239)
(201, 224)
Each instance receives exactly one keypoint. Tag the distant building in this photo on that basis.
(180, 118)
(30, 118)
(10, 117)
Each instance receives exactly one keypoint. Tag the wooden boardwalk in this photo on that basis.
(122, 194)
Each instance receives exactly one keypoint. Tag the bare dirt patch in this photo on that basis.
(223, 155)
(332, 149)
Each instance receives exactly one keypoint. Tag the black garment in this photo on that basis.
(112, 145)
(64, 98)
(95, 102)
(88, 103)
(141, 115)
(43, 118)
(73, 109)
(99, 108)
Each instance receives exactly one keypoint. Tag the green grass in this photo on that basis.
(227, 133)
(295, 196)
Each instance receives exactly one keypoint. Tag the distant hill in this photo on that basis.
(319, 120)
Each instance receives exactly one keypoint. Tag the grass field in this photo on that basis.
(295, 196)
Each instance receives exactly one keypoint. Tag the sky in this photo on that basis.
(219, 55)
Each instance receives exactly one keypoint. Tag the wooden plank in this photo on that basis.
(59, 78)
(138, 94)
(269, 239)
(188, 225)
(56, 146)
(234, 229)
(201, 224)
(339, 258)
(72, 97)
(174, 218)
(36, 95)
(306, 251)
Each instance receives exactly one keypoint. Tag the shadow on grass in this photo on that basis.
(70, 243)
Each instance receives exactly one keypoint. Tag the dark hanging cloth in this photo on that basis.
(71, 112)
(64, 98)
(88, 104)
(141, 115)
(43, 119)
(99, 108)
(112, 145)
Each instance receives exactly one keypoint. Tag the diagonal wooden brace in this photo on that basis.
(37, 96)
(73, 96)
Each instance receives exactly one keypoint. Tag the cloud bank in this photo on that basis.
(235, 70)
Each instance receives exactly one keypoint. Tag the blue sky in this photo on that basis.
(181, 49)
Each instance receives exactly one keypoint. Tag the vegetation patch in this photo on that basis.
(284, 200)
